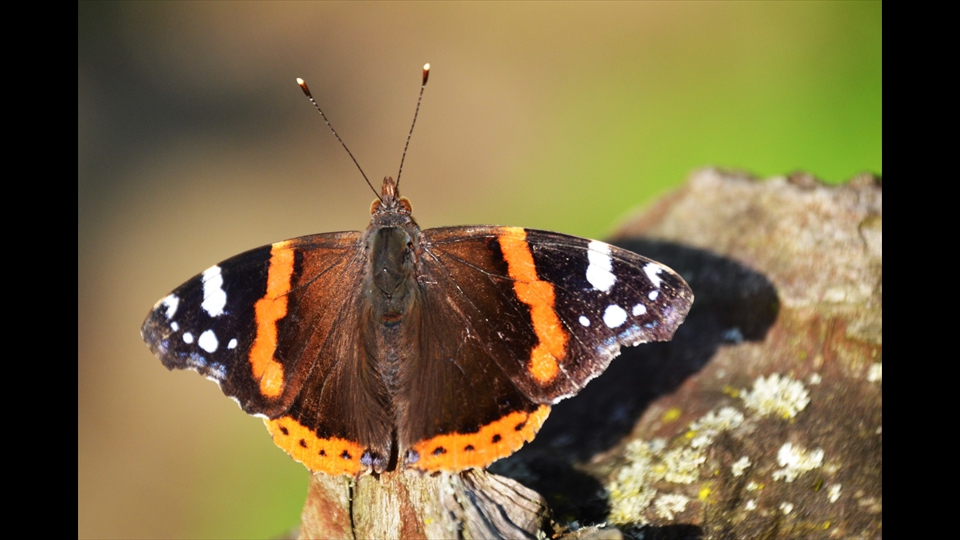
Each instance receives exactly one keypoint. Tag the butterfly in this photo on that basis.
(439, 349)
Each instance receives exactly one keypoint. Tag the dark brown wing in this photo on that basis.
(519, 319)
(275, 328)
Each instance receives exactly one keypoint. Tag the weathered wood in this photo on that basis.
(412, 505)
(326, 514)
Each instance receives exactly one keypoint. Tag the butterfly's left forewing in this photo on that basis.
(277, 329)
(239, 322)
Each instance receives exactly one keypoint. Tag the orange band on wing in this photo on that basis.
(270, 309)
(459, 451)
(539, 295)
(331, 456)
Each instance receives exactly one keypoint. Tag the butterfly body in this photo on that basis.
(436, 349)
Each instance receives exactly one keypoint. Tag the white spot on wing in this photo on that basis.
(584, 320)
(653, 295)
(187, 337)
(232, 344)
(614, 316)
(174, 326)
(639, 309)
(600, 267)
(214, 297)
(171, 302)
(208, 341)
(652, 270)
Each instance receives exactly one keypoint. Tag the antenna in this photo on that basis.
(426, 74)
(303, 86)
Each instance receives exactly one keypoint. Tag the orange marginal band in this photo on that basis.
(539, 295)
(456, 451)
(270, 309)
(331, 456)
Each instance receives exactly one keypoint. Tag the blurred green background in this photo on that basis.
(194, 143)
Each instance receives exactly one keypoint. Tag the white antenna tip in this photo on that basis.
(426, 67)
(299, 81)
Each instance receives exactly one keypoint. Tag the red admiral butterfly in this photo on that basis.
(396, 347)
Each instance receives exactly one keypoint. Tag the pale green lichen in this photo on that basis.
(669, 505)
(715, 422)
(705, 429)
(776, 395)
(795, 461)
(632, 490)
(875, 372)
(740, 466)
(682, 465)
(700, 440)
(833, 493)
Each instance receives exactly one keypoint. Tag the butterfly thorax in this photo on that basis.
(391, 244)
(391, 291)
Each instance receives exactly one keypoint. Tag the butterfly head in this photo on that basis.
(391, 208)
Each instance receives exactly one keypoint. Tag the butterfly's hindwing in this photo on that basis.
(469, 336)
(339, 419)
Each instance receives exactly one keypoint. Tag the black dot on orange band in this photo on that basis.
(284, 430)
(439, 451)
(468, 448)
(323, 452)
(346, 455)
(303, 443)
(520, 426)
(412, 456)
(496, 438)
